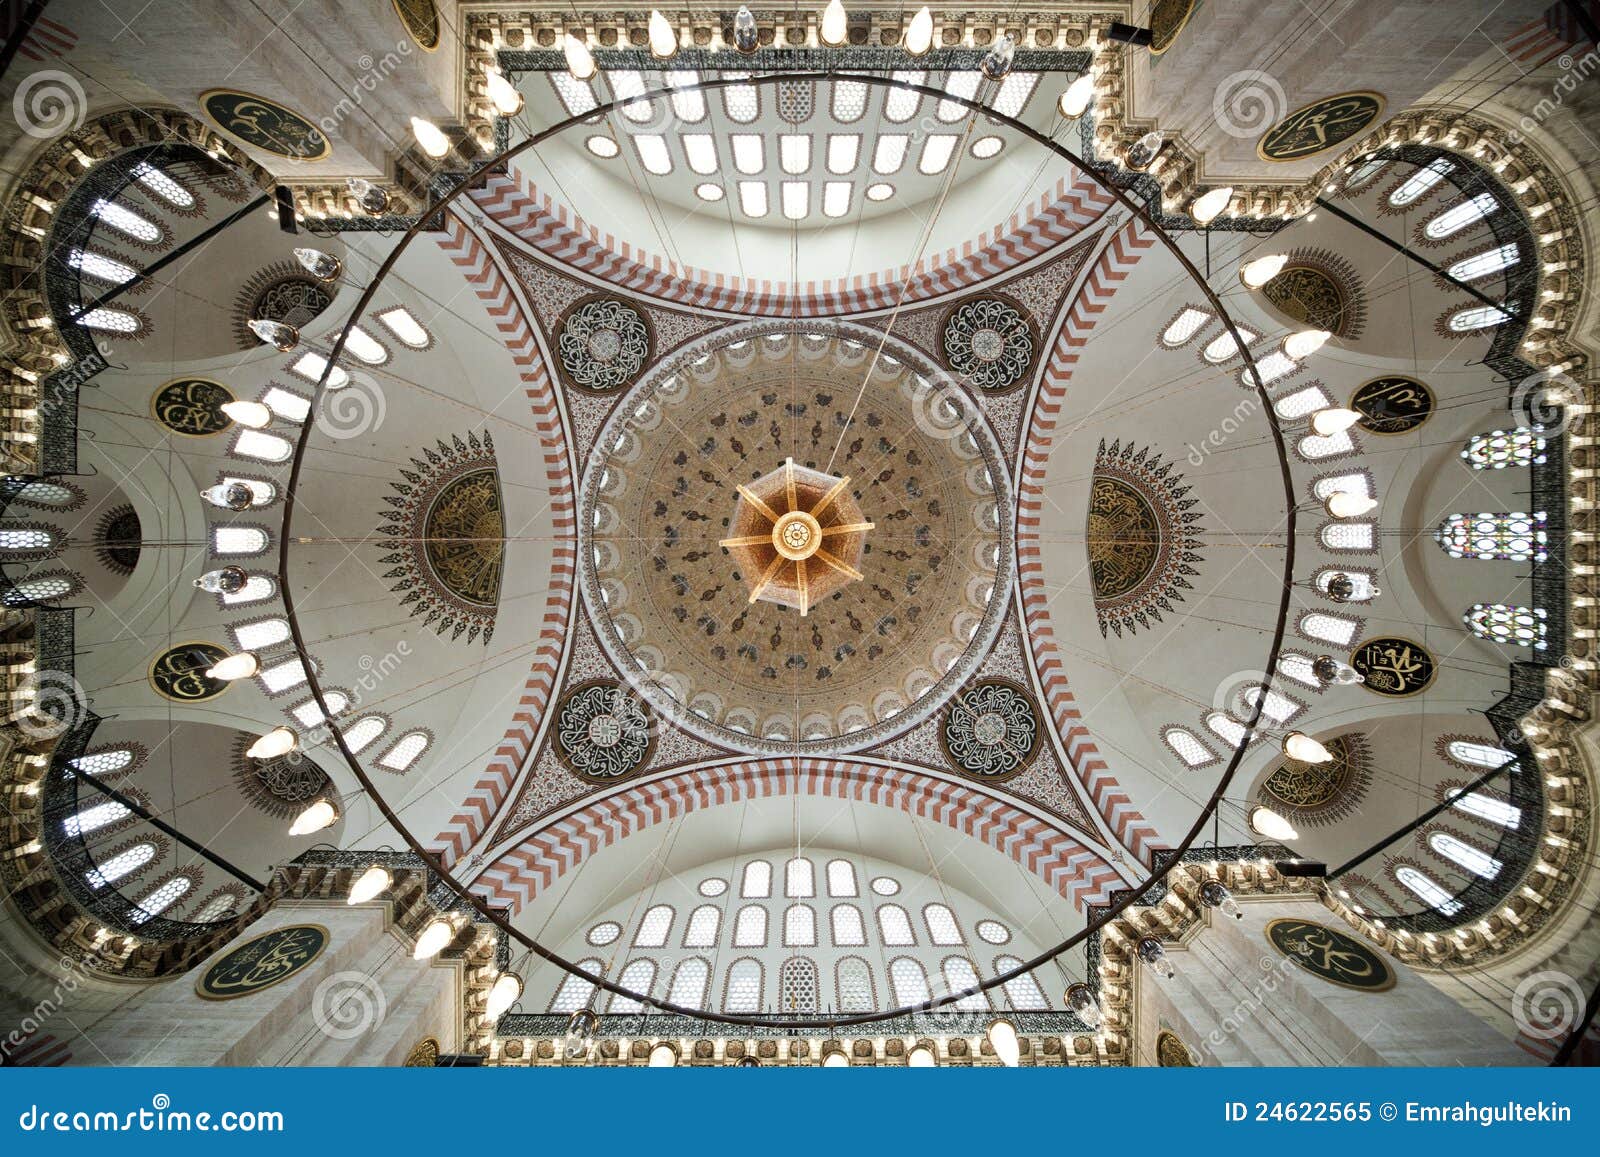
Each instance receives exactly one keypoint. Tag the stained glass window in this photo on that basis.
(1503, 623)
(1523, 446)
(1512, 536)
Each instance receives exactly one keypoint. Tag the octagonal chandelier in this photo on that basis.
(798, 536)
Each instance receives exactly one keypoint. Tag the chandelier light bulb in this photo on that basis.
(322, 813)
(433, 940)
(663, 40)
(746, 36)
(919, 33)
(230, 580)
(322, 266)
(278, 741)
(1331, 670)
(507, 990)
(1155, 958)
(503, 94)
(921, 1057)
(1003, 1039)
(1255, 274)
(1305, 343)
(1075, 100)
(240, 666)
(1215, 894)
(663, 1056)
(252, 414)
(996, 63)
(281, 337)
(370, 885)
(1334, 420)
(1299, 746)
(1270, 825)
(834, 25)
(580, 61)
(1081, 999)
(431, 137)
(581, 1029)
(1343, 504)
(367, 195)
(1207, 207)
(229, 495)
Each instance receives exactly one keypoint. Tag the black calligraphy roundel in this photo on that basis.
(1393, 666)
(1331, 954)
(262, 962)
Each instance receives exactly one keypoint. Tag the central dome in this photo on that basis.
(764, 472)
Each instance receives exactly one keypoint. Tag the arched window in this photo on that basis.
(1358, 176)
(94, 817)
(1348, 535)
(261, 446)
(689, 981)
(1458, 217)
(742, 993)
(639, 976)
(310, 715)
(1463, 854)
(704, 924)
(1485, 263)
(654, 927)
(1363, 589)
(798, 879)
(100, 267)
(1523, 446)
(408, 329)
(1187, 747)
(1278, 708)
(1511, 537)
(854, 980)
(364, 346)
(1340, 630)
(895, 926)
(1504, 623)
(1477, 754)
(1487, 807)
(46, 589)
(757, 884)
(262, 493)
(960, 974)
(103, 763)
(283, 676)
(942, 926)
(29, 539)
(1023, 992)
(848, 931)
(1356, 482)
(1477, 317)
(257, 636)
(1226, 728)
(363, 731)
(162, 185)
(287, 404)
(125, 221)
(1302, 402)
(238, 540)
(575, 993)
(218, 908)
(310, 366)
(257, 588)
(797, 985)
(1184, 327)
(1315, 446)
(750, 927)
(1429, 890)
(1419, 182)
(799, 927)
(120, 865)
(841, 878)
(158, 901)
(1223, 347)
(51, 494)
(909, 981)
(406, 751)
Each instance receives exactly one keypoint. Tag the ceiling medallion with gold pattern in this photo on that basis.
(1320, 290)
(1319, 126)
(421, 18)
(1167, 19)
(1321, 793)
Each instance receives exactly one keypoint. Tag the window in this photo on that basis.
(1015, 93)
(895, 926)
(1419, 182)
(797, 985)
(742, 993)
(753, 198)
(900, 105)
(959, 974)
(1297, 666)
(1023, 993)
(253, 636)
(1523, 446)
(653, 153)
(575, 94)
(164, 897)
(713, 886)
(1356, 482)
(1279, 708)
(1187, 747)
(238, 540)
(1474, 860)
(101, 267)
(654, 927)
(885, 885)
(700, 150)
(218, 908)
(742, 102)
(1511, 537)
(39, 590)
(993, 932)
(749, 153)
(27, 539)
(796, 200)
(48, 494)
(750, 927)
(854, 979)
(282, 676)
(799, 927)
(1302, 402)
(626, 85)
(1504, 623)
(574, 992)
(286, 404)
(910, 982)
(757, 880)
(794, 152)
(1364, 589)
(261, 493)
(639, 976)
(1455, 219)
(798, 880)
(120, 865)
(1428, 890)
(964, 83)
(1487, 807)
(985, 147)
(604, 933)
(686, 106)
(836, 198)
(1184, 327)
(126, 221)
(1478, 317)
(889, 153)
(405, 752)
(109, 320)
(366, 347)
(310, 715)
(942, 927)
(1313, 446)
(363, 731)
(94, 817)
(936, 152)
(689, 982)
(848, 930)
(408, 329)
(844, 149)
(841, 878)
(1483, 264)
(849, 100)
(310, 366)
(1270, 368)
(1223, 347)
(1478, 754)
(265, 447)
(1348, 535)
(103, 763)
(1336, 629)
(162, 185)
(1226, 728)
(1358, 175)
(704, 924)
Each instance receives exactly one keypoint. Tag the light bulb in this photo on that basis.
(1155, 958)
(1299, 746)
(1214, 894)
(1331, 670)
(281, 337)
(367, 195)
(919, 33)
(996, 63)
(276, 742)
(506, 991)
(746, 36)
(1269, 824)
(322, 266)
(833, 1058)
(230, 580)
(1075, 100)
(240, 666)
(1255, 274)
(581, 1027)
(580, 61)
(369, 885)
(1003, 1039)
(663, 40)
(1081, 999)
(663, 1056)
(433, 940)
(834, 24)
(229, 495)
(1334, 420)
(1207, 207)
(431, 137)
(323, 813)
(1305, 343)
(921, 1057)
(1343, 504)
(503, 94)
(252, 414)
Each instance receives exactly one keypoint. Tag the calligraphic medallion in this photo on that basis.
(262, 962)
(192, 406)
(1167, 18)
(1393, 666)
(1331, 954)
(1172, 1053)
(179, 673)
(421, 18)
(265, 124)
(1319, 126)
(1394, 404)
